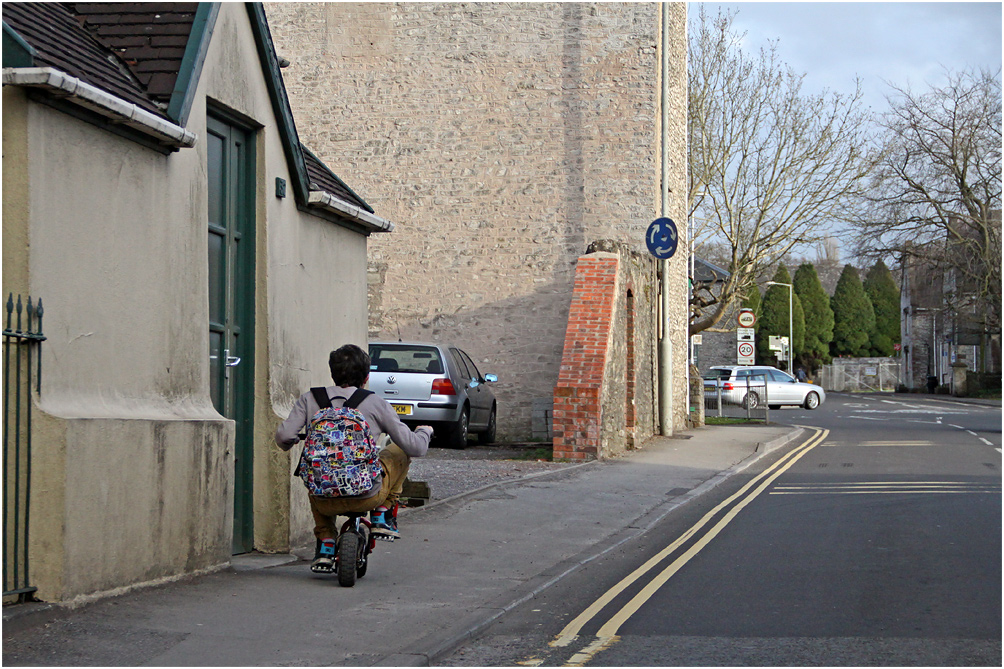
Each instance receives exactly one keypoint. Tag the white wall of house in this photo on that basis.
(133, 465)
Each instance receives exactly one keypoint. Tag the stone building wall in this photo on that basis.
(501, 139)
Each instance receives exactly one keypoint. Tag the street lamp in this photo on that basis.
(690, 296)
(791, 331)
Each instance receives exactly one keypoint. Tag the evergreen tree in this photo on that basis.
(773, 320)
(751, 299)
(881, 288)
(853, 316)
(815, 351)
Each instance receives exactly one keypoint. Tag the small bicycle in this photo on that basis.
(350, 550)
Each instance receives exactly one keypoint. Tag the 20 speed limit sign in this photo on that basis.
(746, 353)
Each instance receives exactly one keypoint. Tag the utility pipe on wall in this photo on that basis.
(665, 342)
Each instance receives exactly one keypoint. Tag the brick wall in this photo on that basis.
(500, 138)
(605, 401)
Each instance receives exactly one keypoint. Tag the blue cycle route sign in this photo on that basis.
(662, 238)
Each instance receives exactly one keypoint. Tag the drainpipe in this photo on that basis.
(665, 343)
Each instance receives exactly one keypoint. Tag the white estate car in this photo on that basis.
(766, 385)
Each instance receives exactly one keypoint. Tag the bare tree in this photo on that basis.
(937, 194)
(770, 166)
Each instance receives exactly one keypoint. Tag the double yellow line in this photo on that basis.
(607, 634)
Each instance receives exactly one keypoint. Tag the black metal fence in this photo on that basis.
(741, 398)
(22, 376)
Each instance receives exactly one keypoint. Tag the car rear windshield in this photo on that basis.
(713, 374)
(405, 358)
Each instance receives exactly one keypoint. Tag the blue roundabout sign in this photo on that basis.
(662, 238)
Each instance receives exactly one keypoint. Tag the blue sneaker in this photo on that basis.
(324, 559)
(383, 525)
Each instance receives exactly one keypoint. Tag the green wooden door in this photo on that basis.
(231, 304)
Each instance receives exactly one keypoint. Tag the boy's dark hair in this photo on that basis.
(350, 365)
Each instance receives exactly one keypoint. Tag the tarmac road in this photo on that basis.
(462, 563)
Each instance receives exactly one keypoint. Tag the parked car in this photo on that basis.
(437, 385)
(766, 385)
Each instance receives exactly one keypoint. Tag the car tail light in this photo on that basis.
(443, 387)
(727, 386)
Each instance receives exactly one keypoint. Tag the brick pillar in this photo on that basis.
(578, 394)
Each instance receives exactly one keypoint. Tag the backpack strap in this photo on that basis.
(321, 397)
(357, 398)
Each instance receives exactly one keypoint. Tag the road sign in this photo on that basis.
(775, 343)
(897, 347)
(746, 351)
(747, 318)
(662, 238)
(745, 334)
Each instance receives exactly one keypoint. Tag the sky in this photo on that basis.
(899, 42)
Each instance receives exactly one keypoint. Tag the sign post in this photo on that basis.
(746, 337)
(662, 239)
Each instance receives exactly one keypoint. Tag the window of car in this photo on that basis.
(461, 365)
(408, 358)
(778, 376)
(713, 374)
(471, 366)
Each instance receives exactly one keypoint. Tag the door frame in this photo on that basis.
(242, 273)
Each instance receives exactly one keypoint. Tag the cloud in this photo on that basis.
(903, 43)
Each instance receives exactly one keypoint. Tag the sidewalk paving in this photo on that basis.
(461, 563)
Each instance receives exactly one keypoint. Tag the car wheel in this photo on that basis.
(811, 401)
(488, 436)
(458, 434)
(751, 401)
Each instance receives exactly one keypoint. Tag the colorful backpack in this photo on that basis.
(340, 456)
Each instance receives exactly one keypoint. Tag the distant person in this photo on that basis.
(801, 375)
(350, 370)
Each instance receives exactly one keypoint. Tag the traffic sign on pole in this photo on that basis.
(662, 238)
(747, 318)
(746, 352)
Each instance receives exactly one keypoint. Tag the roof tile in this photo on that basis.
(60, 42)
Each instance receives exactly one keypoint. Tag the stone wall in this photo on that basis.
(500, 138)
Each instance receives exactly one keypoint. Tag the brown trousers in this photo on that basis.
(394, 462)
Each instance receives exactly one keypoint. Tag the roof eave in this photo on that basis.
(192, 62)
(369, 222)
(95, 99)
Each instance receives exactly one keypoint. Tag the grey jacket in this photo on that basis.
(380, 416)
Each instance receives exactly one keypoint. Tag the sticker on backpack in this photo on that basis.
(340, 457)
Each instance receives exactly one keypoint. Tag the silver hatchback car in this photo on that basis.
(438, 385)
(753, 386)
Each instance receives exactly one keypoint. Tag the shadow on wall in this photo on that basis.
(520, 339)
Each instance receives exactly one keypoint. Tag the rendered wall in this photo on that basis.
(128, 441)
(133, 465)
(501, 138)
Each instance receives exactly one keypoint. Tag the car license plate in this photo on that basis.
(402, 409)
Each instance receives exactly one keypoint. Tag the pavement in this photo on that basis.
(461, 563)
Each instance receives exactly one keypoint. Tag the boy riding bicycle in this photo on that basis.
(350, 368)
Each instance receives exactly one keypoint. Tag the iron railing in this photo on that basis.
(22, 339)
(735, 403)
